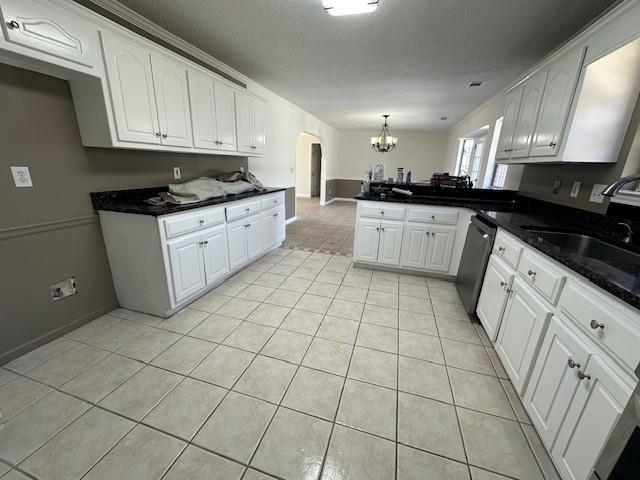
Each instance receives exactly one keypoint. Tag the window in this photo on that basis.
(499, 176)
(495, 175)
(470, 157)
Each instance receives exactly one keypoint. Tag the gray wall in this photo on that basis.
(347, 188)
(290, 203)
(330, 189)
(50, 232)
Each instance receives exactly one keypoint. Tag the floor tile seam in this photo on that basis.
(9, 369)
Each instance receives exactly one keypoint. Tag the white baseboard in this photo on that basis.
(344, 199)
(303, 195)
(292, 219)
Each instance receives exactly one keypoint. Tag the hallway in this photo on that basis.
(327, 229)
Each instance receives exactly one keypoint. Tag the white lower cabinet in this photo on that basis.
(415, 245)
(440, 248)
(245, 240)
(596, 407)
(216, 262)
(494, 295)
(187, 266)
(524, 322)
(378, 242)
(554, 379)
(272, 228)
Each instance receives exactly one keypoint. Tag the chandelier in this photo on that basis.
(384, 142)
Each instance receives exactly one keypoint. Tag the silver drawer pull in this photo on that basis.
(206, 242)
(509, 291)
(247, 209)
(164, 135)
(382, 212)
(596, 325)
(582, 375)
(501, 249)
(531, 273)
(201, 221)
(13, 24)
(573, 364)
(503, 284)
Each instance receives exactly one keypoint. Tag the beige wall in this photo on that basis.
(421, 152)
(50, 232)
(303, 164)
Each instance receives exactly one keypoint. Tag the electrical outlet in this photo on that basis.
(176, 173)
(242, 169)
(556, 186)
(21, 176)
(596, 193)
(575, 189)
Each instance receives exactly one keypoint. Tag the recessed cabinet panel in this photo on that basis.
(258, 121)
(414, 245)
(511, 110)
(187, 266)
(529, 108)
(48, 30)
(390, 243)
(440, 248)
(367, 238)
(131, 86)
(254, 236)
(554, 379)
(269, 229)
(525, 319)
(493, 296)
(556, 103)
(216, 261)
(172, 99)
(203, 111)
(237, 236)
(243, 122)
(225, 116)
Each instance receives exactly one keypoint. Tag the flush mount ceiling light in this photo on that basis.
(349, 7)
(384, 142)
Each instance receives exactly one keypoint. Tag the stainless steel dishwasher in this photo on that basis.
(473, 264)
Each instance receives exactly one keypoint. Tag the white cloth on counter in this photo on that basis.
(204, 188)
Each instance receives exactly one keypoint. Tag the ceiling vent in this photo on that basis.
(475, 84)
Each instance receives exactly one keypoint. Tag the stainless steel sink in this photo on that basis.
(588, 246)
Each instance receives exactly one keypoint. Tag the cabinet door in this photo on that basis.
(243, 122)
(553, 381)
(390, 244)
(237, 241)
(524, 322)
(595, 409)
(225, 116)
(269, 229)
(493, 296)
(187, 266)
(131, 85)
(367, 238)
(556, 102)
(45, 29)
(216, 260)
(203, 111)
(281, 229)
(509, 120)
(414, 246)
(254, 236)
(172, 98)
(529, 108)
(441, 240)
(257, 126)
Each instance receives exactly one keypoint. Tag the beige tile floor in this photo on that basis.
(327, 229)
(299, 367)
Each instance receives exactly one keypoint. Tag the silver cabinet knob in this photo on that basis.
(552, 144)
(582, 375)
(501, 249)
(433, 234)
(201, 221)
(247, 226)
(13, 24)
(596, 325)
(503, 284)
(247, 209)
(509, 291)
(164, 135)
(157, 134)
(382, 229)
(433, 217)
(378, 229)
(573, 364)
(531, 273)
(382, 212)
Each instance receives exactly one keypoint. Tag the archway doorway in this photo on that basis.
(308, 169)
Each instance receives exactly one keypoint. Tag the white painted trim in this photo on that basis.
(627, 198)
(303, 195)
(357, 179)
(290, 220)
(327, 203)
(343, 199)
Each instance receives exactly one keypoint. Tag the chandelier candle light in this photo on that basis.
(384, 142)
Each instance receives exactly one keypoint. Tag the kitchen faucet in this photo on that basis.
(615, 187)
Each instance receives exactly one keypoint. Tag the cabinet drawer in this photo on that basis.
(272, 201)
(190, 222)
(507, 248)
(242, 210)
(545, 277)
(391, 213)
(620, 331)
(433, 215)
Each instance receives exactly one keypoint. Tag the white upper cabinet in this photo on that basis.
(130, 80)
(32, 25)
(529, 108)
(511, 110)
(203, 111)
(172, 99)
(556, 102)
(225, 116)
(250, 118)
(212, 113)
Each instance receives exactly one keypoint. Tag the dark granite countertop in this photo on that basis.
(621, 280)
(132, 201)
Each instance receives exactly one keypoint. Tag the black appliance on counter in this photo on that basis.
(473, 264)
(444, 180)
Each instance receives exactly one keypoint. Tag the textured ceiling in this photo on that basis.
(412, 59)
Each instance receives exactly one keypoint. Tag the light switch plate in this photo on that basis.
(575, 189)
(556, 186)
(596, 193)
(21, 176)
(176, 173)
